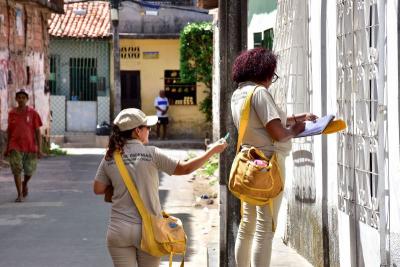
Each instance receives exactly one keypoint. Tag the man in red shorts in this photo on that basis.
(24, 142)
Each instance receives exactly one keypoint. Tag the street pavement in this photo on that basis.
(63, 224)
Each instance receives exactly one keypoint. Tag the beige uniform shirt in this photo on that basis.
(143, 164)
(263, 110)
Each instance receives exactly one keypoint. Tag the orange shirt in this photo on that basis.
(21, 130)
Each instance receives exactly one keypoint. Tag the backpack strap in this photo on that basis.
(131, 187)
(244, 117)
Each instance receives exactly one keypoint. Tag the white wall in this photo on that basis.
(393, 133)
(259, 23)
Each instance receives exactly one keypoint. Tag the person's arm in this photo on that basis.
(301, 117)
(99, 188)
(38, 138)
(282, 134)
(186, 167)
(6, 152)
(156, 105)
(101, 182)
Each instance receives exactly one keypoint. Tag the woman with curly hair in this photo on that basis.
(271, 131)
(130, 134)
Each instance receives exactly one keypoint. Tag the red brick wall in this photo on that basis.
(4, 27)
(19, 50)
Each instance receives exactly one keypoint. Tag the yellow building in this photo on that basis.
(150, 59)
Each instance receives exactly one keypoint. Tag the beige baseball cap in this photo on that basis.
(131, 118)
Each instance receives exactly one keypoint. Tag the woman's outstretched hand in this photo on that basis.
(219, 146)
(186, 167)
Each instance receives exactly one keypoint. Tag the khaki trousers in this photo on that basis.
(123, 241)
(253, 244)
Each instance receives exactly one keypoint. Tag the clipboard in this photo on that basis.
(317, 127)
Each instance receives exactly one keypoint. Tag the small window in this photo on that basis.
(178, 93)
(264, 39)
(130, 52)
(257, 36)
(83, 79)
(268, 40)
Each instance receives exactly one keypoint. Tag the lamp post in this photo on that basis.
(116, 91)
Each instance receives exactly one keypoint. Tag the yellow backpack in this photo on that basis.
(160, 235)
(250, 181)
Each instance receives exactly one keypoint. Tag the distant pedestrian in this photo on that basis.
(144, 163)
(270, 130)
(23, 143)
(161, 104)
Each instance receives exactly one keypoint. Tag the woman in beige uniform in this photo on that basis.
(130, 133)
(270, 130)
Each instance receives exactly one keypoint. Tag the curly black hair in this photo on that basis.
(255, 65)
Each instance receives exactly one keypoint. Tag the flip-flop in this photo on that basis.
(19, 199)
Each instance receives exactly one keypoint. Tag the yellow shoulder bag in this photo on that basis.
(160, 235)
(254, 178)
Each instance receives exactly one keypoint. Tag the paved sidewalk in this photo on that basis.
(284, 256)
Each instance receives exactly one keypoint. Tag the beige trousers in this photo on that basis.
(123, 241)
(254, 239)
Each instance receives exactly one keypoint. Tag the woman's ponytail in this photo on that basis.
(117, 141)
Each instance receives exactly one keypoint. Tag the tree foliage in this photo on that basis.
(196, 48)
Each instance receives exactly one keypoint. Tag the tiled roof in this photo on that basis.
(82, 20)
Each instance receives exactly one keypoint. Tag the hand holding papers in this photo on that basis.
(316, 127)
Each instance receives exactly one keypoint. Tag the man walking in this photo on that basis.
(161, 104)
(24, 142)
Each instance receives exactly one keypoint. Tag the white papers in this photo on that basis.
(317, 127)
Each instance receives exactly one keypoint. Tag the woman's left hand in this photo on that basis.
(310, 117)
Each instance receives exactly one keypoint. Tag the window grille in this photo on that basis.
(83, 79)
(54, 72)
(358, 100)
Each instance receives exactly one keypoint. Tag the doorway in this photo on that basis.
(130, 89)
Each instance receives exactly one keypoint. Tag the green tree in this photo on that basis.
(196, 48)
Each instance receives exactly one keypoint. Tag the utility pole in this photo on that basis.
(116, 89)
(232, 40)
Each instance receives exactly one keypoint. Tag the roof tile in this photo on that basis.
(94, 24)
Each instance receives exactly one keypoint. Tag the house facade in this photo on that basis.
(24, 57)
(79, 67)
(341, 198)
(150, 62)
(340, 204)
